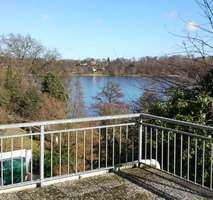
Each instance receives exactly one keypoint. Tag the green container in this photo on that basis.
(17, 170)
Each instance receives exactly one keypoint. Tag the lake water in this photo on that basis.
(132, 87)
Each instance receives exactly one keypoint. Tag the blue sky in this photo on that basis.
(100, 28)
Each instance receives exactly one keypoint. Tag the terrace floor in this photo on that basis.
(132, 183)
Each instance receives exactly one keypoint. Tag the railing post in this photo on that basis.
(41, 155)
(140, 140)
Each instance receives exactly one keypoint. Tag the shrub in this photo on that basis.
(52, 108)
(4, 116)
(13, 84)
(207, 83)
(5, 97)
(28, 105)
(52, 85)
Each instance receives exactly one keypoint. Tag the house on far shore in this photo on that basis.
(88, 63)
(93, 63)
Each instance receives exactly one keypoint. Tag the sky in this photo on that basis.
(101, 28)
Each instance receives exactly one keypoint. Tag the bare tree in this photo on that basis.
(110, 100)
(198, 39)
(51, 54)
(21, 47)
(197, 48)
(110, 93)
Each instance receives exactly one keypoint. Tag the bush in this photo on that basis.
(13, 84)
(5, 97)
(52, 108)
(4, 116)
(28, 105)
(207, 83)
(52, 85)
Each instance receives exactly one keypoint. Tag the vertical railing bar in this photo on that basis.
(99, 148)
(168, 150)
(211, 170)
(106, 148)
(68, 152)
(127, 131)
(42, 155)
(22, 162)
(76, 152)
(133, 149)
(181, 155)
(162, 138)
(195, 178)
(151, 143)
(174, 168)
(84, 151)
(60, 154)
(145, 143)
(2, 174)
(156, 149)
(113, 147)
(120, 145)
(31, 163)
(203, 164)
(51, 156)
(140, 149)
(92, 132)
(12, 160)
(188, 158)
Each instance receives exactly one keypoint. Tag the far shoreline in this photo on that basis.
(119, 75)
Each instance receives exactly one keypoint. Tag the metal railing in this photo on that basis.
(43, 151)
(38, 152)
(183, 149)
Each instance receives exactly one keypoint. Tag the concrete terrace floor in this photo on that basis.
(132, 183)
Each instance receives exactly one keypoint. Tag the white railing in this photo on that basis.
(65, 148)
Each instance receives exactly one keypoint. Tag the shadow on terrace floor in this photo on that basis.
(163, 184)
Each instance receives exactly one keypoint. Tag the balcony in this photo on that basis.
(147, 157)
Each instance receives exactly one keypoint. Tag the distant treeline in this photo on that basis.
(146, 66)
(179, 67)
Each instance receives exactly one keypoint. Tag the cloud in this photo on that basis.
(192, 26)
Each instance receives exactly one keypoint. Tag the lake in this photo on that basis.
(132, 87)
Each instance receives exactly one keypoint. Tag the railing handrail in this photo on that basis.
(102, 118)
(66, 121)
(178, 122)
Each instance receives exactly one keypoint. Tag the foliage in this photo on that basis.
(52, 85)
(184, 104)
(28, 104)
(5, 97)
(4, 116)
(21, 97)
(192, 104)
(13, 84)
(207, 83)
(52, 108)
(145, 102)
